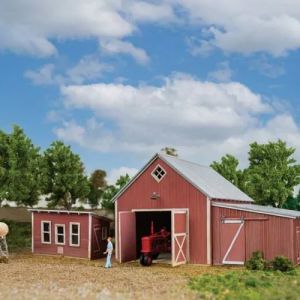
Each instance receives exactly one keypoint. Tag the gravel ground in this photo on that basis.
(39, 277)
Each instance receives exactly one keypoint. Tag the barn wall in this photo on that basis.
(175, 192)
(296, 238)
(98, 246)
(51, 249)
(274, 236)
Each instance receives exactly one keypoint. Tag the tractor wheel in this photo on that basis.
(142, 260)
(155, 256)
(147, 260)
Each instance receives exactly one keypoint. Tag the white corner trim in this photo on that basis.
(42, 232)
(71, 233)
(208, 227)
(116, 230)
(56, 234)
(154, 176)
(90, 237)
(32, 233)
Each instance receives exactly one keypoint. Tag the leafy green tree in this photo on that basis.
(228, 169)
(170, 151)
(111, 191)
(64, 176)
(272, 173)
(20, 168)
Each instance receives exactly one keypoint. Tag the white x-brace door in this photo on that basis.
(237, 227)
(180, 237)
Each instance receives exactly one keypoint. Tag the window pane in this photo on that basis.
(47, 237)
(75, 240)
(60, 238)
(74, 228)
(60, 229)
(46, 226)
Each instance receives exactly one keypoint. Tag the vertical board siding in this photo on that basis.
(175, 192)
(274, 236)
(62, 219)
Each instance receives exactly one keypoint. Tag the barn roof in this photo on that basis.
(71, 212)
(280, 212)
(205, 179)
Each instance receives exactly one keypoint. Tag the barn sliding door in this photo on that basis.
(232, 238)
(180, 240)
(127, 236)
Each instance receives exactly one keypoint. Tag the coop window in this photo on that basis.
(46, 232)
(59, 234)
(104, 233)
(159, 173)
(74, 234)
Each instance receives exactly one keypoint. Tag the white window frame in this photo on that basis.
(71, 234)
(105, 237)
(42, 232)
(56, 234)
(154, 176)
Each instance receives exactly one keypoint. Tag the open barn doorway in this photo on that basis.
(159, 220)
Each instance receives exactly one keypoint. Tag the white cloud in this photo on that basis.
(245, 26)
(113, 47)
(223, 72)
(32, 26)
(88, 68)
(203, 120)
(115, 174)
(266, 68)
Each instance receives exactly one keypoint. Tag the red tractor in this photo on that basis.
(155, 244)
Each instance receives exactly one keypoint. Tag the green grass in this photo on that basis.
(243, 285)
(19, 236)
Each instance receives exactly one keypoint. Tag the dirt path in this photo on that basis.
(35, 277)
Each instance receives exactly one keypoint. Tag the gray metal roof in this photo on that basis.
(205, 179)
(286, 213)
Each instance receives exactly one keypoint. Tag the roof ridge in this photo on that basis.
(187, 161)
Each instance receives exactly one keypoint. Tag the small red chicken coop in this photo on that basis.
(69, 233)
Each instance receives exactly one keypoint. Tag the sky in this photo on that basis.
(120, 79)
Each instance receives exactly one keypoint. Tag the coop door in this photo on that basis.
(127, 236)
(233, 248)
(96, 239)
(180, 240)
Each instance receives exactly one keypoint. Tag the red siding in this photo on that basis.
(274, 236)
(64, 219)
(175, 192)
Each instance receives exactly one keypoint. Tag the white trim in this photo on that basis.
(177, 210)
(120, 252)
(162, 176)
(208, 230)
(116, 231)
(232, 221)
(231, 245)
(71, 233)
(56, 234)
(215, 204)
(42, 232)
(90, 237)
(32, 233)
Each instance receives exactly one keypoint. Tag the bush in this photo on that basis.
(282, 263)
(256, 262)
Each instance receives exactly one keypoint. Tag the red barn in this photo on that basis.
(69, 233)
(205, 213)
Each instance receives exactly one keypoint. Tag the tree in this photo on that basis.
(170, 151)
(228, 169)
(20, 168)
(111, 191)
(272, 173)
(64, 176)
(97, 184)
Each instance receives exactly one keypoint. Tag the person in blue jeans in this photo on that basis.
(108, 251)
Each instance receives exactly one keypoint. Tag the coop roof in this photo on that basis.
(205, 179)
(70, 212)
(280, 212)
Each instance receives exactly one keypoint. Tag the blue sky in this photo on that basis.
(119, 80)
